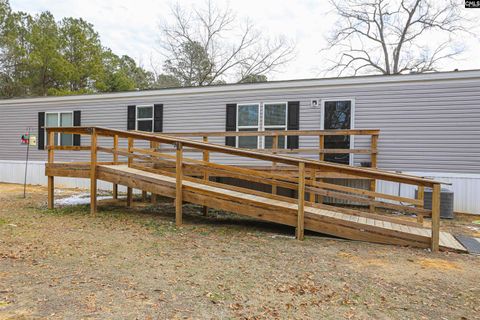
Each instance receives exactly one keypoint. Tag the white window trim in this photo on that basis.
(352, 121)
(58, 113)
(284, 126)
(248, 127)
(144, 119)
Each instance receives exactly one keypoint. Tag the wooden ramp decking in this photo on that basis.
(329, 222)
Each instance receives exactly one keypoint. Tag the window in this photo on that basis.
(247, 120)
(337, 114)
(144, 118)
(60, 119)
(274, 118)
(261, 117)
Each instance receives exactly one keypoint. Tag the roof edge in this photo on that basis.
(279, 84)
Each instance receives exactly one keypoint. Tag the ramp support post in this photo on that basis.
(373, 160)
(435, 217)
(130, 151)
(129, 196)
(313, 179)
(274, 164)
(93, 172)
(51, 159)
(51, 189)
(421, 197)
(178, 185)
(321, 157)
(206, 158)
(115, 161)
(130, 161)
(153, 198)
(301, 202)
(115, 191)
(154, 145)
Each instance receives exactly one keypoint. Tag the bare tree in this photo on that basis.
(394, 36)
(207, 46)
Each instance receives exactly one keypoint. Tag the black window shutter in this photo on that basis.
(76, 123)
(231, 123)
(131, 118)
(293, 123)
(41, 131)
(158, 118)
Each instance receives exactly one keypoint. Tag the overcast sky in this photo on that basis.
(131, 26)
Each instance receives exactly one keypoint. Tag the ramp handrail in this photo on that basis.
(319, 146)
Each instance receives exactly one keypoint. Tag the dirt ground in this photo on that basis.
(135, 264)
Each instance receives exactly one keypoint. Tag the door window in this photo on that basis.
(337, 115)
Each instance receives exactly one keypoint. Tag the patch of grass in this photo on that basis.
(82, 209)
(156, 209)
(159, 228)
(4, 303)
(2, 222)
(111, 211)
(105, 211)
(217, 297)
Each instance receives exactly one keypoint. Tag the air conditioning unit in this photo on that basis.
(446, 202)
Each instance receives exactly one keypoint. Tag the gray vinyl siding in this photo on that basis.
(427, 126)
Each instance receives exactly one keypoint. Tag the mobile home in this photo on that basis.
(429, 123)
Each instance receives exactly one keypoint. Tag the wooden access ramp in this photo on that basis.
(329, 222)
(189, 180)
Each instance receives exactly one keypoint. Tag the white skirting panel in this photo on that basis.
(466, 187)
(14, 172)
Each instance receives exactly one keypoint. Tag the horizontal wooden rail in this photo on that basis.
(364, 192)
(291, 151)
(69, 148)
(88, 131)
(358, 132)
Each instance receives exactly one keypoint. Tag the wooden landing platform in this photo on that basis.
(331, 222)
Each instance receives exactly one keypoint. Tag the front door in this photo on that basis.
(337, 114)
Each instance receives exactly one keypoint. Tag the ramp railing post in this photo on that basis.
(93, 172)
(373, 160)
(206, 158)
(51, 179)
(301, 202)
(130, 151)
(154, 145)
(321, 157)
(115, 161)
(435, 217)
(274, 164)
(130, 161)
(313, 179)
(421, 197)
(178, 185)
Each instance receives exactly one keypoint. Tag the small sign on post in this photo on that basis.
(33, 140)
